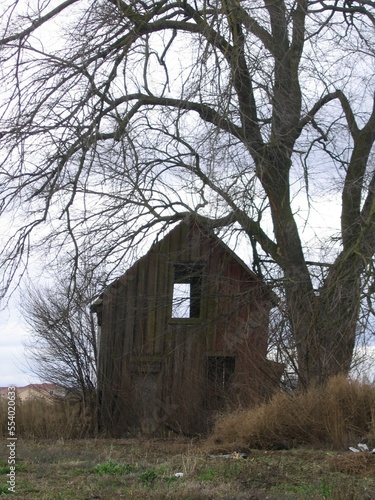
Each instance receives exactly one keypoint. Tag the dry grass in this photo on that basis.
(355, 464)
(43, 419)
(334, 416)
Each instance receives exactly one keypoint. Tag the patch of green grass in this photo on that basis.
(304, 490)
(170, 479)
(4, 490)
(208, 474)
(148, 476)
(114, 468)
(4, 469)
(324, 488)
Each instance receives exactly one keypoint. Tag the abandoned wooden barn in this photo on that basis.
(183, 334)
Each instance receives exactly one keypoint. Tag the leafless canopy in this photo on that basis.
(119, 116)
(62, 347)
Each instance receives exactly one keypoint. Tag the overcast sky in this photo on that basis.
(13, 363)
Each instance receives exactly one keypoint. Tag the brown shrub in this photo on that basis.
(354, 464)
(335, 416)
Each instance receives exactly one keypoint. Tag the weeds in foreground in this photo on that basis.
(140, 468)
(148, 476)
(114, 468)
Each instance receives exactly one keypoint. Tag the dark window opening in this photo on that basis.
(220, 370)
(187, 290)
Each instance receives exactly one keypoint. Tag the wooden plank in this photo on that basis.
(129, 301)
(140, 307)
(151, 298)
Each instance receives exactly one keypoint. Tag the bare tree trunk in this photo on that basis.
(323, 321)
(325, 325)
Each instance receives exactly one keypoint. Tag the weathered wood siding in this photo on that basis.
(152, 367)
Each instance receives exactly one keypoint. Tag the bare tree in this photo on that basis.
(62, 347)
(121, 117)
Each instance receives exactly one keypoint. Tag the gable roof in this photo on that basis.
(191, 221)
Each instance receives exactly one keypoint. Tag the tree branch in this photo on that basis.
(38, 22)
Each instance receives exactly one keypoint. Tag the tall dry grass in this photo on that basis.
(44, 419)
(338, 415)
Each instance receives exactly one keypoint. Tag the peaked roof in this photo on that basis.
(191, 221)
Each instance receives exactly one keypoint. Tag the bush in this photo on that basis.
(337, 415)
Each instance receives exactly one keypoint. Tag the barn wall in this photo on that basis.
(155, 371)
